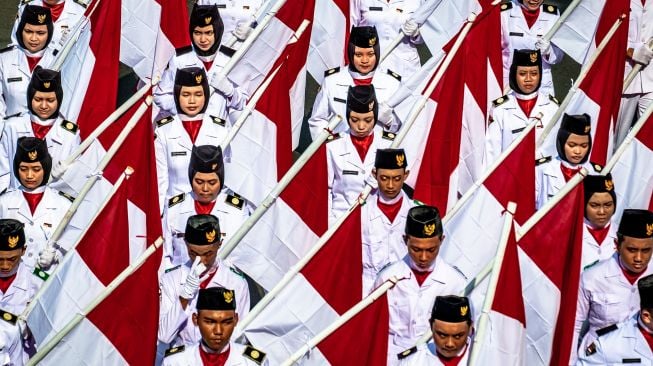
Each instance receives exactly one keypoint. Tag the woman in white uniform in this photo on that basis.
(599, 235)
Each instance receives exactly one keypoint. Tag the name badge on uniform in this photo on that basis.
(376, 8)
(222, 6)
(178, 153)
(518, 130)
(350, 172)
(13, 80)
(516, 34)
(631, 360)
(339, 100)
(246, 7)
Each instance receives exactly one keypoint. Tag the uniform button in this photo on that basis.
(31, 240)
(29, 254)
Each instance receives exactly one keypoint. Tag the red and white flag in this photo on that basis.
(439, 20)
(576, 34)
(328, 37)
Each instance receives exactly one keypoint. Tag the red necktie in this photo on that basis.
(599, 234)
(390, 210)
(214, 359)
(192, 128)
(451, 361)
(204, 208)
(362, 144)
(55, 10)
(33, 200)
(421, 276)
(648, 336)
(367, 81)
(5, 282)
(207, 65)
(568, 173)
(632, 277)
(40, 131)
(527, 105)
(32, 62)
(530, 16)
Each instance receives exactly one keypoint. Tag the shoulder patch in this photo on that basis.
(172, 269)
(69, 126)
(543, 160)
(83, 3)
(591, 265)
(174, 350)
(389, 135)
(254, 354)
(176, 199)
(333, 137)
(499, 101)
(551, 9)
(164, 121)
(7, 49)
(40, 274)
(507, 5)
(590, 350)
(227, 51)
(218, 121)
(8, 317)
(235, 200)
(554, 99)
(183, 50)
(406, 353)
(329, 72)
(67, 196)
(597, 167)
(12, 116)
(394, 75)
(237, 272)
(606, 330)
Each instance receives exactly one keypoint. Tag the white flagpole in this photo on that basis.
(494, 280)
(581, 77)
(368, 300)
(63, 54)
(628, 140)
(45, 349)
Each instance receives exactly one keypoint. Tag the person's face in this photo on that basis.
(30, 174)
(191, 100)
(450, 338)
(647, 318)
(576, 147)
(527, 77)
(635, 253)
(52, 2)
(364, 59)
(361, 124)
(207, 253)
(390, 181)
(599, 209)
(204, 37)
(44, 104)
(216, 327)
(9, 260)
(35, 37)
(423, 251)
(206, 187)
(532, 5)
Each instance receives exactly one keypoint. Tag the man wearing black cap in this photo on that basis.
(573, 144)
(216, 319)
(411, 301)
(180, 285)
(33, 34)
(630, 342)
(65, 15)
(205, 33)
(350, 156)
(36, 205)
(607, 293)
(451, 325)
(45, 95)
(207, 196)
(523, 105)
(599, 235)
(237, 16)
(364, 56)
(176, 135)
(384, 215)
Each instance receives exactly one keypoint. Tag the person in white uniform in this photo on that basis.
(599, 235)
(364, 55)
(65, 16)
(524, 25)
(426, 275)
(629, 342)
(238, 15)
(452, 328)
(608, 290)
(216, 318)
(350, 156)
(179, 285)
(522, 106)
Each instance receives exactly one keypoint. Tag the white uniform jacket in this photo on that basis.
(594, 252)
(332, 98)
(190, 356)
(62, 140)
(14, 79)
(508, 121)
(346, 173)
(176, 324)
(11, 352)
(640, 31)
(425, 354)
(516, 35)
(219, 106)
(72, 12)
(173, 149)
(410, 305)
(230, 209)
(387, 17)
(622, 346)
(21, 290)
(233, 12)
(549, 178)
(383, 241)
(605, 297)
(39, 226)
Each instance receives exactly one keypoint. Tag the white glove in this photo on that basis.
(242, 30)
(223, 85)
(193, 280)
(385, 114)
(410, 28)
(543, 45)
(643, 55)
(47, 257)
(25, 333)
(59, 169)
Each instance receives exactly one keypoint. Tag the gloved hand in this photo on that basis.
(47, 257)
(242, 30)
(643, 55)
(223, 85)
(25, 333)
(385, 114)
(59, 169)
(193, 280)
(410, 28)
(543, 45)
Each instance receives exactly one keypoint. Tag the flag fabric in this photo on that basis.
(329, 37)
(439, 20)
(576, 34)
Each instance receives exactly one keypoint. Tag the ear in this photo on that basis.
(195, 319)
(374, 172)
(406, 174)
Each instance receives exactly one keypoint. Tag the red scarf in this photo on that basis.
(209, 278)
(214, 359)
(40, 131)
(599, 234)
(33, 200)
(568, 173)
(5, 282)
(451, 361)
(362, 144)
(192, 128)
(632, 277)
(32, 62)
(648, 336)
(421, 276)
(55, 10)
(367, 81)
(207, 65)
(204, 208)
(390, 210)
(530, 16)
(527, 105)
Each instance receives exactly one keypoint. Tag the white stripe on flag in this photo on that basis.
(576, 35)
(633, 177)
(503, 331)
(139, 30)
(76, 74)
(327, 39)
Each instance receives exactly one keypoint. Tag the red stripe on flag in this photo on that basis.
(174, 21)
(508, 296)
(293, 12)
(645, 134)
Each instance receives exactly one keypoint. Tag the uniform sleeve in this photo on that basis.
(171, 315)
(582, 309)
(163, 92)
(4, 158)
(3, 106)
(243, 301)
(161, 154)
(320, 115)
(167, 239)
(493, 139)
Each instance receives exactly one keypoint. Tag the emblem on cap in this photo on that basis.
(533, 57)
(210, 236)
(371, 106)
(401, 158)
(214, 166)
(649, 229)
(208, 20)
(429, 229)
(32, 155)
(587, 129)
(12, 241)
(609, 185)
(198, 79)
(464, 310)
(41, 18)
(228, 296)
(372, 41)
(46, 84)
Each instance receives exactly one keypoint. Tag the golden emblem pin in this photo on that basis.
(401, 158)
(464, 310)
(228, 297)
(609, 185)
(12, 241)
(70, 126)
(6, 316)
(214, 166)
(587, 129)
(533, 57)
(255, 354)
(649, 229)
(210, 236)
(551, 8)
(235, 201)
(32, 155)
(500, 100)
(372, 41)
(429, 229)
(46, 84)
(371, 106)
(198, 79)
(208, 20)
(41, 18)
